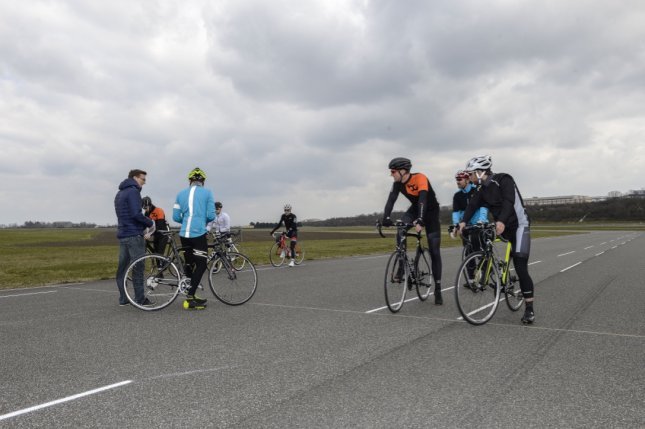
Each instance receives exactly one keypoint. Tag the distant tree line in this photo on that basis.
(611, 210)
(38, 224)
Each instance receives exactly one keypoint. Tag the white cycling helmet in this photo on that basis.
(484, 162)
(287, 206)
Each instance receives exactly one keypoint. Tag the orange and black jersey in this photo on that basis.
(418, 191)
(159, 217)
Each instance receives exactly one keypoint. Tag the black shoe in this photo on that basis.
(146, 302)
(197, 299)
(124, 303)
(529, 317)
(438, 300)
(191, 304)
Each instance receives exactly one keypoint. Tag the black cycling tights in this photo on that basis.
(522, 270)
(434, 243)
(196, 259)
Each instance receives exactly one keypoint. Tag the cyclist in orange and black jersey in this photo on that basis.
(424, 212)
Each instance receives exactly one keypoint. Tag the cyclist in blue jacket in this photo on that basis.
(194, 208)
(460, 202)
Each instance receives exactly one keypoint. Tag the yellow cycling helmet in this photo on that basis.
(197, 174)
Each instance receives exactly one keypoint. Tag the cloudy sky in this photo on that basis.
(305, 102)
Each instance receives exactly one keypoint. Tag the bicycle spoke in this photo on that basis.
(477, 288)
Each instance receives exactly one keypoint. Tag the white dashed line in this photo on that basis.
(568, 268)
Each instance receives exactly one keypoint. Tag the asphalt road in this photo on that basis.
(316, 348)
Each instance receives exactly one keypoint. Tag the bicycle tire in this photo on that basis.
(231, 285)
(396, 281)
(423, 277)
(159, 278)
(300, 254)
(476, 294)
(467, 250)
(512, 292)
(276, 255)
(238, 264)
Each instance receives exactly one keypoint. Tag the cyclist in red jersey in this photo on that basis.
(424, 212)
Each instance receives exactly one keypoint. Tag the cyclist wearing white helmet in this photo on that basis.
(424, 212)
(194, 208)
(498, 192)
(290, 221)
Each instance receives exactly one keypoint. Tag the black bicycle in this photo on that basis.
(161, 278)
(403, 271)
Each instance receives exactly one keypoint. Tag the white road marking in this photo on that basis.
(568, 253)
(568, 268)
(598, 254)
(588, 247)
(536, 262)
(67, 399)
(30, 293)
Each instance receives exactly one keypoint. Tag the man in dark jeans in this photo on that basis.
(132, 224)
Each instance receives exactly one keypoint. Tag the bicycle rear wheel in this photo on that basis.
(477, 288)
(512, 291)
(300, 254)
(423, 275)
(158, 279)
(233, 284)
(277, 255)
(396, 281)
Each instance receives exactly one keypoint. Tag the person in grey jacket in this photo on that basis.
(131, 226)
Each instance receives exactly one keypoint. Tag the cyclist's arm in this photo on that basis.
(278, 225)
(474, 203)
(391, 199)
(507, 190)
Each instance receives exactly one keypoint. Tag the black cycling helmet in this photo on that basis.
(146, 202)
(400, 164)
(218, 205)
(197, 174)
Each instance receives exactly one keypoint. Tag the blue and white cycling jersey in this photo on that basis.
(459, 204)
(194, 208)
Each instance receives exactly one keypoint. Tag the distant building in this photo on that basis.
(552, 201)
(615, 194)
(636, 194)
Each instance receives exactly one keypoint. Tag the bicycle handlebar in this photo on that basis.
(399, 225)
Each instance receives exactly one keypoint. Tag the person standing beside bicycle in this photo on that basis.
(459, 204)
(498, 192)
(158, 216)
(194, 208)
(130, 230)
(424, 212)
(290, 221)
(221, 224)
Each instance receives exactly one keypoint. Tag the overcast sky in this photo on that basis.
(305, 102)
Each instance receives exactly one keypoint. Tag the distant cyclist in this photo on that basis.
(222, 222)
(158, 216)
(424, 212)
(498, 192)
(290, 221)
(459, 204)
(194, 208)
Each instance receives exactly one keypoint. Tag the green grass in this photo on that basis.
(35, 257)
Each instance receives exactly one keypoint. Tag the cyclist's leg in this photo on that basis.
(433, 234)
(521, 242)
(200, 258)
(293, 235)
(408, 217)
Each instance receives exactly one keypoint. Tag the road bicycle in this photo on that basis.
(163, 277)
(483, 276)
(281, 250)
(403, 272)
(228, 242)
(468, 246)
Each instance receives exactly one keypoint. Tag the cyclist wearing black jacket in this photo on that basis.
(290, 221)
(424, 212)
(498, 192)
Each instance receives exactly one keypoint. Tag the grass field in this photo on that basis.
(35, 257)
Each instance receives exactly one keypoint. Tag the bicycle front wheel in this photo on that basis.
(512, 291)
(396, 281)
(477, 288)
(423, 275)
(300, 254)
(151, 282)
(236, 282)
(237, 263)
(277, 255)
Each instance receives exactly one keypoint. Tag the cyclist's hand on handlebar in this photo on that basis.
(461, 227)
(387, 221)
(499, 227)
(418, 225)
(453, 230)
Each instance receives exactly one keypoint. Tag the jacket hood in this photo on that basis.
(127, 183)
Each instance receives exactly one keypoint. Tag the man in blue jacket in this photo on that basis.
(194, 208)
(132, 224)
